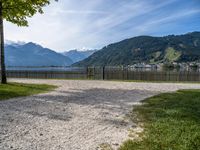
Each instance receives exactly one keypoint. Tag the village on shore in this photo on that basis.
(174, 65)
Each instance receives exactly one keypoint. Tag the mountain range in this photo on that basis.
(141, 49)
(31, 54)
(147, 49)
(77, 55)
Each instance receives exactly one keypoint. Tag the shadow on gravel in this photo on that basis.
(60, 117)
(57, 107)
(110, 100)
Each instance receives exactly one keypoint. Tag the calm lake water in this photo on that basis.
(83, 68)
(44, 68)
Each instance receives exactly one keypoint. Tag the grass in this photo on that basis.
(171, 121)
(172, 55)
(12, 90)
(105, 146)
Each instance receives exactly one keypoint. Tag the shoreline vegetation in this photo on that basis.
(170, 121)
(13, 90)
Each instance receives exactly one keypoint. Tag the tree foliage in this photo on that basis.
(17, 11)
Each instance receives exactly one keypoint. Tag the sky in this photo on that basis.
(93, 24)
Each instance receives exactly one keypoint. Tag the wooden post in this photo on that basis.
(87, 72)
(122, 72)
(103, 72)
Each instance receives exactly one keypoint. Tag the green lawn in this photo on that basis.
(12, 90)
(171, 121)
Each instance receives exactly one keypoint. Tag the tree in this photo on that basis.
(17, 12)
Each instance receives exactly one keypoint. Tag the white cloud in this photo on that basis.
(70, 24)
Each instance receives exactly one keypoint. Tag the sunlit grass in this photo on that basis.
(171, 122)
(12, 90)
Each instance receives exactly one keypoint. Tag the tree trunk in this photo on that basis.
(2, 56)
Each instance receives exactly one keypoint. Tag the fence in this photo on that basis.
(107, 73)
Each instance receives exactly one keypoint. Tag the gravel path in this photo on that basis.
(79, 115)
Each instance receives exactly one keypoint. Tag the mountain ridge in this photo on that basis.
(77, 55)
(31, 54)
(147, 49)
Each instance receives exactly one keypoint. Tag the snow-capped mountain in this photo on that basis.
(31, 54)
(78, 55)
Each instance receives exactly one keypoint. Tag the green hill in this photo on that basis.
(147, 49)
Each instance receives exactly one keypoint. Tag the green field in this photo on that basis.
(12, 90)
(171, 121)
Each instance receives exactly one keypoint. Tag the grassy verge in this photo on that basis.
(171, 121)
(12, 90)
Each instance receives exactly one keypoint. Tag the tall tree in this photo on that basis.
(17, 12)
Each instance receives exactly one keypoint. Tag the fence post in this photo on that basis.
(103, 72)
(127, 72)
(123, 72)
(94, 75)
(87, 73)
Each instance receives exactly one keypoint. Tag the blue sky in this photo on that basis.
(88, 24)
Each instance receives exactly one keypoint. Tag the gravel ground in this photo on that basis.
(79, 115)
